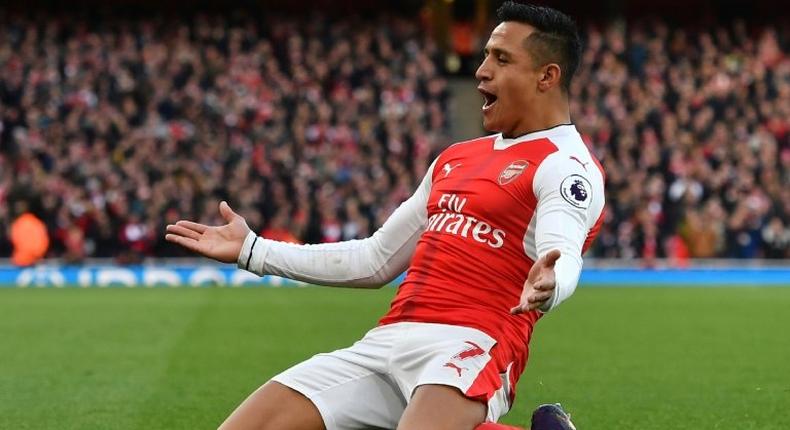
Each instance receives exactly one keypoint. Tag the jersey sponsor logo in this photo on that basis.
(576, 189)
(452, 220)
(447, 168)
(512, 171)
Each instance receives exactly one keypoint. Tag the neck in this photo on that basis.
(546, 117)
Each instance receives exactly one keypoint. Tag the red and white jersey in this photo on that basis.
(483, 214)
(494, 206)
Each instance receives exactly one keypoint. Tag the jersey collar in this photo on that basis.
(558, 130)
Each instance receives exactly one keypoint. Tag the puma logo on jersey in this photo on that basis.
(580, 162)
(447, 169)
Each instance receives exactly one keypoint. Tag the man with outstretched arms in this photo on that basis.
(492, 238)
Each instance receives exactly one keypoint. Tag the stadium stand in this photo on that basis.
(125, 127)
(693, 128)
(315, 129)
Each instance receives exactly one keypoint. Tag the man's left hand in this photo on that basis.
(539, 285)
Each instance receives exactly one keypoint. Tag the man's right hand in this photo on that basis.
(222, 243)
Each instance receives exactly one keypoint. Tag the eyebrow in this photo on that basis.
(497, 52)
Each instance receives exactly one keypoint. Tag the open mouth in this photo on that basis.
(488, 97)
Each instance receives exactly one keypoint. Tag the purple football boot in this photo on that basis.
(551, 417)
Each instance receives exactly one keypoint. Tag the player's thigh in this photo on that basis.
(275, 407)
(347, 395)
(440, 407)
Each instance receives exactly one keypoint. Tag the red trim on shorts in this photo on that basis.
(489, 380)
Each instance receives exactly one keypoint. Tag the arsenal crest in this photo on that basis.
(512, 171)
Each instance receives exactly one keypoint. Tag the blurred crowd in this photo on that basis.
(316, 129)
(693, 128)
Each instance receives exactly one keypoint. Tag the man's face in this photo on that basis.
(508, 78)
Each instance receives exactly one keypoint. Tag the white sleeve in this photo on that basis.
(370, 262)
(570, 200)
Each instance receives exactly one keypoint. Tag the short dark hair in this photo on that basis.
(555, 40)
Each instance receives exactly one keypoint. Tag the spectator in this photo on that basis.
(28, 235)
(278, 229)
(777, 239)
(701, 238)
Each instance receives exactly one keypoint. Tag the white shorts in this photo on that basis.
(369, 384)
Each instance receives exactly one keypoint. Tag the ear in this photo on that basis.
(550, 77)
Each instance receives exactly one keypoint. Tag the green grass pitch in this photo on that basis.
(617, 358)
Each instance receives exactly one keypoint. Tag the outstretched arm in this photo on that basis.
(370, 262)
(570, 200)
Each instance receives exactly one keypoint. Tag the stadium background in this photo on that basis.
(315, 119)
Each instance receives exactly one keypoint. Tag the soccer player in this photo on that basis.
(492, 239)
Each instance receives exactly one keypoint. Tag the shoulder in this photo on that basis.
(572, 170)
(459, 152)
(475, 144)
(489, 138)
(571, 156)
